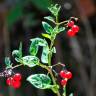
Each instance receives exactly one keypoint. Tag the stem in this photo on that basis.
(58, 64)
(62, 22)
(49, 59)
(50, 53)
(17, 66)
(64, 89)
(51, 74)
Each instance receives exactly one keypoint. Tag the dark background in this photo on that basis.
(20, 20)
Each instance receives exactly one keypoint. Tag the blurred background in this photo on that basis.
(20, 20)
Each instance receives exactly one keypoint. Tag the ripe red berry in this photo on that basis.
(71, 33)
(62, 73)
(9, 81)
(68, 75)
(17, 77)
(70, 24)
(63, 82)
(16, 84)
(75, 28)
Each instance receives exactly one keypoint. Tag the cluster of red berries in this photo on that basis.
(65, 75)
(74, 29)
(14, 80)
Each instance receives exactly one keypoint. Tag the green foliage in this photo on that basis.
(50, 18)
(45, 52)
(8, 62)
(55, 88)
(18, 53)
(35, 43)
(40, 81)
(61, 29)
(47, 27)
(54, 9)
(54, 50)
(30, 61)
(71, 94)
(46, 36)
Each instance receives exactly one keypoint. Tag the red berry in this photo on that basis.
(9, 81)
(70, 24)
(62, 73)
(63, 82)
(68, 75)
(75, 28)
(16, 84)
(71, 33)
(17, 77)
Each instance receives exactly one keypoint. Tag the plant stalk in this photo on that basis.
(64, 91)
(51, 74)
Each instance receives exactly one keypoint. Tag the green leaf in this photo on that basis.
(46, 36)
(35, 43)
(55, 88)
(71, 94)
(61, 29)
(50, 18)
(54, 50)
(45, 52)
(30, 61)
(16, 54)
(58, 30)
(8, 62)
(20, 50)
(40, 81)
(54, 9)
(47, 27)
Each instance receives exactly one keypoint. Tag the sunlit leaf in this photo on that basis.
(8, 62)
(47, 27)
(54, 9)
(54, 50)
(30, 61)
(71, 94)
(45, 52)
(40, 81)
(50, 18)
(35, 43)
(46, 36)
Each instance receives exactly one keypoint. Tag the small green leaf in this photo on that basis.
(58, 30)
(46, 36)
(20, 50)
(54, 50)
(55, 88)
(16, 54)
(8, 62)
(71, 94)
(40, 81)
(61, 29)
(47, 27)
(50, 18)
(35, 43)
(54, 9)
(30, 61)
(45, 52)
